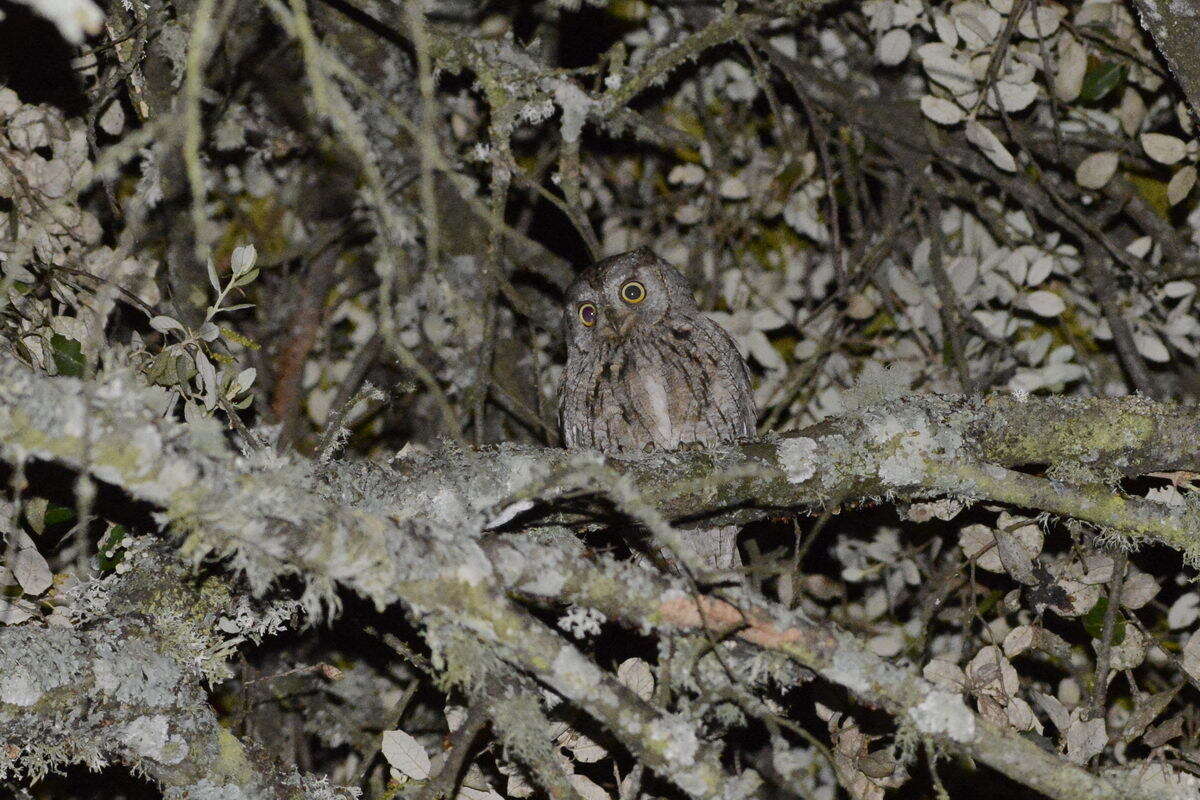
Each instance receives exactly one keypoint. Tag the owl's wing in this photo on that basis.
(733, 397)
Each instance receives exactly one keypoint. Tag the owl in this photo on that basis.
(646, 369)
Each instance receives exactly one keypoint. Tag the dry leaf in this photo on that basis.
(990, 145)
(1085, 738)
(587, 788)
(893, 47)
(1072, 66)
(406, 754)
(1045, 303)
(1020, 716)
(1054, 709)
(1150, 346)
(1139, 589)
(112, 121)
(1161, 734)
(939, 63)
(1131, 112)
(1181, 185)
(1097, 169)
(733, 188)
(27, 564)
(1018, 640)
(1146, 708)
(1163, 148)
(1190, 658)
(14, 612)
(1045, 25)
(635, 673)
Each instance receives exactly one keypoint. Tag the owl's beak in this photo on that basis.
(625, 324)
(617, 326)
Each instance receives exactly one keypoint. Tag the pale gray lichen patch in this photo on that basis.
(34, 661)
(798, 458)
(510, 564)
(904, 465)
(19, 688)
(575, 104)
(692, 781)
(575, 671)
(547, 583)
(450, 486)
(944, 713)
(629, 722)
(851, 668)
(147, 444)
(206, 790)
(879, 385)
(866, 673)
(132, 671)
(474, 571)
(150, 737)
(745, 785)
(911, 441)
(675, 736)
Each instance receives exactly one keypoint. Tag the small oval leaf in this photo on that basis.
(1045, 303)
(406, 754)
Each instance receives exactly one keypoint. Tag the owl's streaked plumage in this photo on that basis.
(652, 371)
(646, 369)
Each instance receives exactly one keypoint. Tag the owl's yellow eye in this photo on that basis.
(587, 314)
(633, 292)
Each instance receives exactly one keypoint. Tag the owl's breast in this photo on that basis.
(657, 389)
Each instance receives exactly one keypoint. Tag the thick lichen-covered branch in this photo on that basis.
(413, 534)
(665, 744)
(626, 593)
(126, 685)
(910, 447)
(431, 565)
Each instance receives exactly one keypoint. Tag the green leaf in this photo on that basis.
(244, 341)
(1093, 622)
(110, 555)
(212, 276)
(171, 367)
(1101, 78)
(1153, 191)
(68, 355)
(246, 278)
(57, 514)
(882, 322)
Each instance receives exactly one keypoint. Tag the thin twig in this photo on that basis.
(462, 742)
(391, 722)
(1104, 653)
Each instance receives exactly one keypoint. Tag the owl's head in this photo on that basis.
(616, 297)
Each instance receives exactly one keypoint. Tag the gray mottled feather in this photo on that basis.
(654, 375)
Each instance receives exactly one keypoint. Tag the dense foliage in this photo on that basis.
(280, 297)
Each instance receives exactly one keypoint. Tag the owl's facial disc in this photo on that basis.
(623, 308)
(620, 296)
